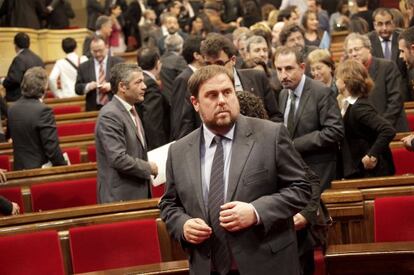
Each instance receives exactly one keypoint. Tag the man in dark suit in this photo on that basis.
(32, 126)
(384, 42)
(217, 49)
(385, 96)
(180, 95)
(172, 63)
(123, 167)
(103, 28)
(94, 74)
(314, 122)
(94, 9)
(154, 110)
(233, 186)
(26, 13)
(24, 60)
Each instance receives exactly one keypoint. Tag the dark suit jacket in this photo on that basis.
(20, 64)
(376, 50)
(6, 206)
(366, 133)
(59, 17)
(385, 96)
(33, 129)
(155, 114)
(318, 128)
(265, 171)
(86, 74)
(172, 65)
(123, 168)
(27, 13)
(94, 10)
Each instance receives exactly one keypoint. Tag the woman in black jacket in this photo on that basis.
(365, 149)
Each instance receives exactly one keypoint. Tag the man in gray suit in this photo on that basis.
(233, 186)
(314, 121)
(123, 167)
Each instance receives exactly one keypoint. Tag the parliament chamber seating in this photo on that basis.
(410, 119)
(403, 161)
(35, 253)
(394, 219)
(74, 155)
(63, 194)
(91, 153)
(115, 245)
(72, 129)
(13, 194)
(66, 109)
(5, 162)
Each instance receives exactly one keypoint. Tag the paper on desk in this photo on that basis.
(159, 156)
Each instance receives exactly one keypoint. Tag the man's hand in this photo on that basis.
(300, 221)
(196, 231)
(105, 87)
(16, 209)
(407, 142)
(237, 215)
(154, 168)
(369, 162)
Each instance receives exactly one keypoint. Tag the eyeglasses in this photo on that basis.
(356, 49)
(217, 62)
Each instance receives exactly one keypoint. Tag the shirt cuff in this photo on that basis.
(257, 214)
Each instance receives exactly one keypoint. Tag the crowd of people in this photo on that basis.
(202, 71)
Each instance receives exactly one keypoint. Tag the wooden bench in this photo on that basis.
(370, 259)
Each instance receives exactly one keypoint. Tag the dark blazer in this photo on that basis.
(59, 17)
(155, 114)
(6, 207)
(94, 9)
(366, 133)
(253, 81)
(20, 64)
(123, 168)
(265, 171)
(32, 127)
(318, 129)
(86, 74)
(172, 65)
(385, 96)
(376, 50)
(27, 13)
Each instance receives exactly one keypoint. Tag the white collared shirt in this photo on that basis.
(350, 100)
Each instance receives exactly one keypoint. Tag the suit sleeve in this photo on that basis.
(49, 137)
(331, 130)
(368, 117)
(6, 206)
(295, 188)
(111, 133)
(81, 82)
(270, 100)
(311, 210)
(14, 75)
(394, 100)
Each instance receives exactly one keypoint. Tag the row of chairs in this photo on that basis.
(92, 248)
(61, 194)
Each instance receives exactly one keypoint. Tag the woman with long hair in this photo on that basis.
(314, 35)
(365, 148)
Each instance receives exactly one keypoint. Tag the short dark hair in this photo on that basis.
(191, 45)
(287, 30)
(408, 36)
(68, 44)
(285, 50)
(22, 40)
(34, 82)
(285, 14)
(382, 11)
(121, 72)
(147, 58)
(361, 3)
(205, 73)
(214, 43)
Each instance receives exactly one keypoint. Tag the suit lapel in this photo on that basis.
(378, 47)
(395, 52)
(373, 68)
(241, 148)
(193, 161)
(302, 103)
(283, 100)
(108, 69)
(92, 69)
(246, 82)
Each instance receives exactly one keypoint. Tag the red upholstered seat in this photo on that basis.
(158, 191)
(319, 259)
(394, 219)
(71, 129)
(91, 153)
(114, 245)
(5, 162)
(63, 194)
(68, 109)
(13, 194)
(410, 118)
(403, 161)
(74, 155)
(36, 253)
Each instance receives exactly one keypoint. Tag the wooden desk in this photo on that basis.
(371, 258)
(174, 267)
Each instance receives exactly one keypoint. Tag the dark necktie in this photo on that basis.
(387, 50)
(291, 115)
(220, 254)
